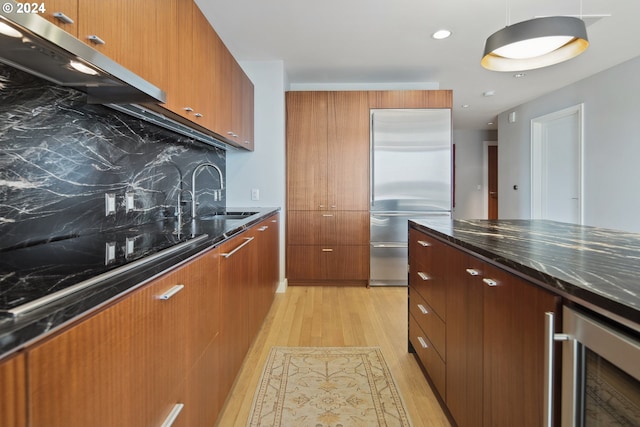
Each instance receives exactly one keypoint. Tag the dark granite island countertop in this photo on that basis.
(594, 267)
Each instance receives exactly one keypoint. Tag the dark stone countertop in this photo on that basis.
(31, 273)
(594, 267)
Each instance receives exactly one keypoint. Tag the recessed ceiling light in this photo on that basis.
(519, 75)
(489, 93)
(465, 105)
(490, 123)
(441, 34)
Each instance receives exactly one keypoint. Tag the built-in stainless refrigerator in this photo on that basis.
(411, 177)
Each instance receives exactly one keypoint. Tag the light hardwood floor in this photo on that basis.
(338, 316)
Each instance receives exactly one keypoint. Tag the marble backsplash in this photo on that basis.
(59, 157)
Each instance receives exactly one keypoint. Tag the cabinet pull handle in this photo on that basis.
(62, 18)
(423, 343)
(240, 246)
(490, 282)
(327, 250)
(171, 292)
(423, 309)
(473, 271)
(423, 276)
(232, 134)
(198, 115)
(188, 109)
(549, 338)
(95, 39)
(327, 215)
(263, 228)
(423, 243)
(168, 422)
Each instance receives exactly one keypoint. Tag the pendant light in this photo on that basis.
(535, 43)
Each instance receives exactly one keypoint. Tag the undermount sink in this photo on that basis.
(224, 216)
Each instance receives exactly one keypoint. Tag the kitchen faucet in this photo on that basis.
(217, 193)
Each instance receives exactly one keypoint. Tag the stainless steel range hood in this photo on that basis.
(31, 43)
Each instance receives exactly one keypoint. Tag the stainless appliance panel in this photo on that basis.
(411, 160)
(600, 372)
(388, 264)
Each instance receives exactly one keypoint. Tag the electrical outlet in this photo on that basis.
(109, 204)
(129, 202)
(130, 246)
(109, 253)
(255, 194)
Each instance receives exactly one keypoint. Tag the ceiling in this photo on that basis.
(378, 42)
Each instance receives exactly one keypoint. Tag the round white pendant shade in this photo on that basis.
(536, 43)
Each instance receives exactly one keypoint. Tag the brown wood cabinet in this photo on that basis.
(411, 99)
(13, 406)
(491, 368)
(60, 12)
(327, 187)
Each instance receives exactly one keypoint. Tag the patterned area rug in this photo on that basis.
(327, 387)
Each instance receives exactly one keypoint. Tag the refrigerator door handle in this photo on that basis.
(411, 214)
(371, 160)
(388, 245)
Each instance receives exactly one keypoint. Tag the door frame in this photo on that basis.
(485, 177)
(538, 152)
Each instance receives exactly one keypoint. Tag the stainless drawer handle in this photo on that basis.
(423, 343)
(63, 18)
(327, 215)
(263, 228)
(198, 114)
(171, 292)
(490, 282)
(423, 276)
(423, 243)
(473, 271)
(96, 40)
(240, 246)
(173, 415)
(327, 250)
(188, 109)
(423, 309)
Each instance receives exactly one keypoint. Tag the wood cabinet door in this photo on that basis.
(136, 33)
(123, 366)
(247, 113)
(464, 339)
(514, 313)
(238, 258)
(13, 407)
(328, 228)
(307, 150)
(180, 87)
(223, 89)
(67, 9)
(348, 151)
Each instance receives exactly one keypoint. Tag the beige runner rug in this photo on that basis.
(327, 387)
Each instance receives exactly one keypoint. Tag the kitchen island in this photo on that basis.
(487, 296)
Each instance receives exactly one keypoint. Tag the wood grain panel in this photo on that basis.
(465, 340)
(348, 150)
(136, 33)
(13, 409)
(308, 263)
(386, 99)
(330, 228)
(440, 99)
(306, 150)
(181, 82)
(513, 350)
(429, 322)
(429, 357)
(67, 7)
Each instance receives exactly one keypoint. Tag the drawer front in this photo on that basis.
(431, 288)
(327, 262)
(421, 250)
(429, 322)
(429, 357)
(328, 228)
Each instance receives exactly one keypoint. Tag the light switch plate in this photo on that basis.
(109, 204)
(129, 202)
(255, 194)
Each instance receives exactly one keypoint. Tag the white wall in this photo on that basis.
(263, 168)
(469, 172)
(611, 148)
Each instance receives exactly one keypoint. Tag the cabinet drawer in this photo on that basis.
(328, 228)
(421, 248)
(327, 262)
(427, 354)
(431, 288)
(429, 322)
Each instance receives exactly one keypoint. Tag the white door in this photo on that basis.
(556, 155)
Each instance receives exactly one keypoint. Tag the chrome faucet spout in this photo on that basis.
(217, 192)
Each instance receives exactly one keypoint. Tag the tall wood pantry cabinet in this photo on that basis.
(327, 187)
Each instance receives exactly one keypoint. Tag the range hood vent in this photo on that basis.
(32, 44)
